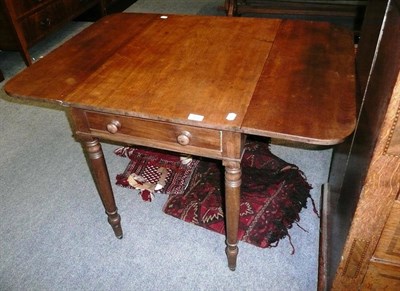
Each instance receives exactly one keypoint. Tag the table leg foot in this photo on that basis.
(114, 219)
(231, 253)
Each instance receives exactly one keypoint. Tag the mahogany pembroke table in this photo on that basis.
(198, 85)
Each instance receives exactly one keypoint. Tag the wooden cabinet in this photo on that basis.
(366, 219)
(24, 22)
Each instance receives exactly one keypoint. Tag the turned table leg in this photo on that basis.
(100, 175)
(230, 7)
(233, 174)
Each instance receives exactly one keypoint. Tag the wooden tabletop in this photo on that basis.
(281, 78)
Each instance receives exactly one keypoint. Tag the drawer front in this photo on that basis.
(22, 7)
(152, 132)
(39, 24)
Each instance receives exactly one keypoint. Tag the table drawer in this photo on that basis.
(117, 127)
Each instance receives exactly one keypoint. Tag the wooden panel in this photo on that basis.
(389, 245)
(309, 65)
(372, 178)
(379, 190)
(355, 258)
(393, 143)
(382, 277)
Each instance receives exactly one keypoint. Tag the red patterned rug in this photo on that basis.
(152, 171)
(273, 192)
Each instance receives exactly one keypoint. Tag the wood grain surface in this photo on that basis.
(219, 70)
(307, 85)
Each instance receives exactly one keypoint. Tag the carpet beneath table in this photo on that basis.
(154, 171)
(273, 191)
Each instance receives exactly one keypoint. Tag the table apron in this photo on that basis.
(187, 139)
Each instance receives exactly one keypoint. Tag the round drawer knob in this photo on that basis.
(184, 138)
(113, 126)
(46, 22)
